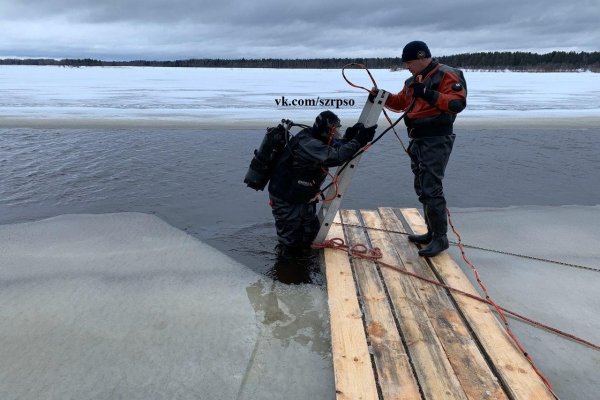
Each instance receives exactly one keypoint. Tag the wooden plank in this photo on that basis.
(354, 376)
(513, 368)
(472, 370)
(394, 373)
(435, 375)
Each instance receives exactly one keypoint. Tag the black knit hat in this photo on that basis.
(415, 51)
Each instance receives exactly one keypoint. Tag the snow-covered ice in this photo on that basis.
(221, 96)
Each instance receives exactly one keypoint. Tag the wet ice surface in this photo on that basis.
(126, 306)
(563, 297)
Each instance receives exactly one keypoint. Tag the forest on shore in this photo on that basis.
(556, 61)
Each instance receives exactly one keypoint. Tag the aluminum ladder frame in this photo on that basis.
(369, 117)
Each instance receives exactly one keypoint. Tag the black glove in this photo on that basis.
(352, 131)
(420, 90)
(365, 135)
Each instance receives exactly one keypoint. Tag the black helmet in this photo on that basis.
(324, 124)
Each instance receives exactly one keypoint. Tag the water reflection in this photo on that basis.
(292, 314)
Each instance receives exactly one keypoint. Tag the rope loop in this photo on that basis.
(334, 243)
(358, 250)
(363, 66)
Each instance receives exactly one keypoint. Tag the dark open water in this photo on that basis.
(193, 178)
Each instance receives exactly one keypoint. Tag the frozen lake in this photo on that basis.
(210, 97)
(129, 297)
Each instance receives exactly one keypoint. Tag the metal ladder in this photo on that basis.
(368, 117)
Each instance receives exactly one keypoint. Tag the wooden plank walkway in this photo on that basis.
(398, 337)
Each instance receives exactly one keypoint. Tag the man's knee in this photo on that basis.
(431, 194)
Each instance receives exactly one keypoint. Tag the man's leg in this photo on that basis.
(413, 150)
(288, 223)
(435, 153)
(310, 223)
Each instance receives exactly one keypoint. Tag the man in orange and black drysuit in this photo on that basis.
(439, 93)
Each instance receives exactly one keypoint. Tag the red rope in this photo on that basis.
(387, 117)
(334, 182)
(498, 309)
(360, 66)
(362, 87)
(357, 250)
(375, 255)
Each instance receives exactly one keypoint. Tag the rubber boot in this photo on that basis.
(420, 239)
(424, 238)
(438, 244)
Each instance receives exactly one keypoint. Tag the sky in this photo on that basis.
(182, 29)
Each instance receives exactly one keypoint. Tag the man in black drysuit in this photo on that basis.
(296, 180)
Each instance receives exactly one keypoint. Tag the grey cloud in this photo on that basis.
(125, 29)
(201, 11)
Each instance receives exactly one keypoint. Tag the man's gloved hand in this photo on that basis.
(420, 90)
(365, 135)
(352, 131)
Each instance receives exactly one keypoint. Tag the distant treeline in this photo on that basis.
(515, 61)
(520, 61)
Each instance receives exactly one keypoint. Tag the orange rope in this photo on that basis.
(334, 182)
(374, 254)
(363, 66)
(338, 244)
(357, 250)
(387, 117)
(498, 308)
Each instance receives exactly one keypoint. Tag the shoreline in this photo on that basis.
(586, 121)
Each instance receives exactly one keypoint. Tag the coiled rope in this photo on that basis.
(357, 250)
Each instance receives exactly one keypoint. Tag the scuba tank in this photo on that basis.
(266, 156)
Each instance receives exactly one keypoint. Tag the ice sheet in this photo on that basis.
(226, 97)
(126, 306)
(560, 296)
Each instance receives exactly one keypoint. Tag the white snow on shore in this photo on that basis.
(208, 96)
